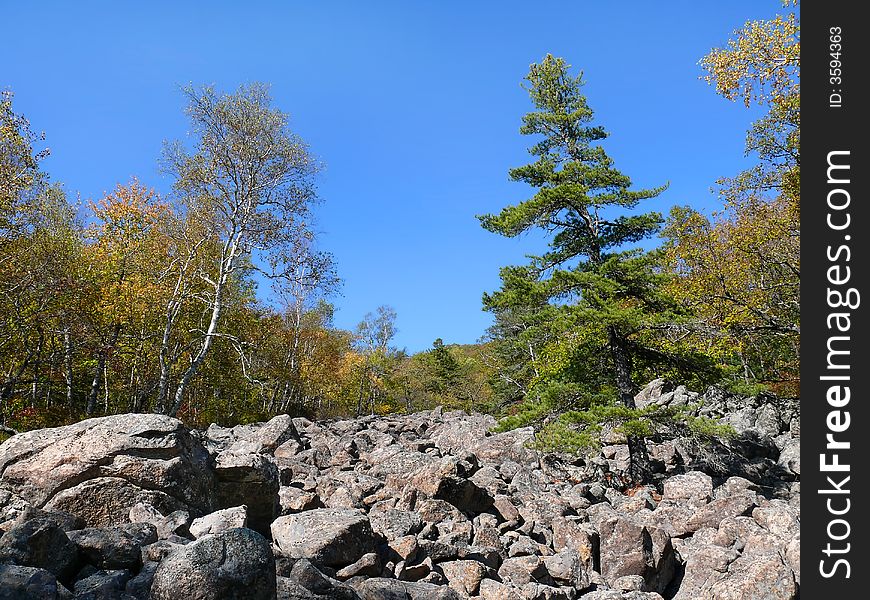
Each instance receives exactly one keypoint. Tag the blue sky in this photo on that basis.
(414, 107)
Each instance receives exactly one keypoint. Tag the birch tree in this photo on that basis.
(248, 181)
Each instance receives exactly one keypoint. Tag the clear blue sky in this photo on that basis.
(413, 106)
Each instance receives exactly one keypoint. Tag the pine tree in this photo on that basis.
(602, 299)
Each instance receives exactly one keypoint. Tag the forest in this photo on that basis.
(214, 303)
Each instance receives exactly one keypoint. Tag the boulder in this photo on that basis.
(257, 438)
(106, 501)
(621, 595)
(790, 457)
(306, 581)
(570, 533)
(378, 588)
(756, 577)
(369, 565)
(540, 591)
(175, 523)
(42, 544)
(710, 515)
(99, 468)
(293, 500)
(445, 481)
(113, 548)
(220, 520)
(631, 548)
(496, 590)
(393, 523)
(652, 392)
(695, 487)
(249, 479)
(30, 583)
(64, 520)
(325, 536)
(103, 585)
(464, 576)
(778, 518)
(139, 586)
(231, 565)
(161, 549)
(524, 569)
(567, 568)
(705, 567)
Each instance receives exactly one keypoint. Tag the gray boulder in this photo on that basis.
(99, 468)
(621, 595)
(139, 587)
(220, 520)
(43, 544)
(115, 547)
(175, 523)
(305, 581)
(102, 585)
(694, 487)
(378, 588)
(249, 479)
(631, 548)
(446, 481)
(393, 523)
(464, 576)
(790, 456)
(756, 577)
(105, 501)
(30, 583)
(233, 565)
(325, 536)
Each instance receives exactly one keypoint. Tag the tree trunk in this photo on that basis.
(91, 405)
(67, 363)
(196, 363)
(639, 467)
(359, 400)
(164, 359)
(99, 371)
(37, 366)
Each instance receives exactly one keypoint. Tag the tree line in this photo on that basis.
(210, 304)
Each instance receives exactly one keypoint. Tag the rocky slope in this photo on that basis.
(424, 506)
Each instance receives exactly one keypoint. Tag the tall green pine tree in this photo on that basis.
(587, 275)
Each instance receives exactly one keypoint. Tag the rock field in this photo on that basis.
(430, 505)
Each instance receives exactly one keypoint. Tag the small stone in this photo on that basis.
(368, 565)
(218, 521)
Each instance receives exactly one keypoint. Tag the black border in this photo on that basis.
(827, 128)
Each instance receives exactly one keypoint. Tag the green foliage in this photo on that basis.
(579, 431)
(20, 177)
(579, 328)
(739, 272)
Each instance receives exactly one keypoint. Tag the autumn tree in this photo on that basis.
(306, 278)
(20, 175)
(39, 249)
(38, 285)
(124, 254)
(455, 376)
(249, 183)
(740, 270)
(374, 334)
